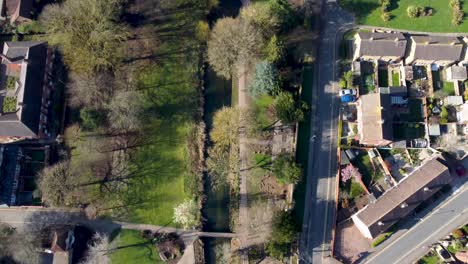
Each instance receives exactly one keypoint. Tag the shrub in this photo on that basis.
(342, 83)
(265, 80)
(9, 104)
(286, 170)
(381, 239)
(288, 109)
(414, 11)
(457, 17)
(386, 16)
(458, 233)
(356, 190)
(349, 77)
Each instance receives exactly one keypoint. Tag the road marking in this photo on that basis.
(331, 140)
(417, 224)
(424, 241)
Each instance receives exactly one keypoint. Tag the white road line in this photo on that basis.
(413, 227)
(428, 238)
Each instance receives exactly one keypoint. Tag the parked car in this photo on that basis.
(344, 92)
(443, 253)
(460, 170)
(419, 143)
(348, 98)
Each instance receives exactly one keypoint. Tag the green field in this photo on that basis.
(132, 248)
(368, 12)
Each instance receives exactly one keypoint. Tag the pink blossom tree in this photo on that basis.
(349, 172)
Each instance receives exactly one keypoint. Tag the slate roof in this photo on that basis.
(381, 44)
(410, 191)
(376, 117)
(25, 122)
(437, 48)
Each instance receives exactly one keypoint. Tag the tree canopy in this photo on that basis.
(233, 42)
(265, 79)
(187, 214)
(289, 110)
(286, 170)
(87, 31)
(285, 231)
(225, 130)
(56, 184)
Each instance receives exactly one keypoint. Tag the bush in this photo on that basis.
(381, 239)
(386, 16)
(286, 170)
(457, 17)
(288, 109)
(343, 83)
(91, 119)
(385, 5)
(356, 190)
(414, 11)
(265, 80)
(284, 228)
(349, 77)
(458, 233)
(9, 104)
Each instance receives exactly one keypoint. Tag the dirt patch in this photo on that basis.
(270, 186)
(350, 245)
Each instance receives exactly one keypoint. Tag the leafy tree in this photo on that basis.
(223, 166)
(265, 80)
(225, 127)
(87, 32)
(286, 170)
(57, 184)
(202, 31)
(284, 232)
(233, 43)
(343, 84)
(349, 77)
(91, 119)
(270, 16)
(274, 50)
(289, 110)
(277, 250)
(125, 111)
(187, 214)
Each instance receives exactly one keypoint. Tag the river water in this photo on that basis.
(218, 93)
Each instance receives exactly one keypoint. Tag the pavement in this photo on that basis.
(315, 242)
(415, 242)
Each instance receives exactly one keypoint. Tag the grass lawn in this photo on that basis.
(263, 109)
(383, 78)
(395, 79)
(135, 249)
(363, 163)
(449, 87)
(368, 12)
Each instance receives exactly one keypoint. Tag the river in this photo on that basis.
(218, 93)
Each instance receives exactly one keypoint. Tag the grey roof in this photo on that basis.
(438, 48)
(382, 44)
(410, 191)
(394, 90)
(25, 122)
(457, 72)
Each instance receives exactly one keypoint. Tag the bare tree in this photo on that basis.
(57, 184)
(125, 111)
(91, 90)
(98, 250)
(233, 42)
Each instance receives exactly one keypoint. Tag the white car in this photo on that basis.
(344, 92)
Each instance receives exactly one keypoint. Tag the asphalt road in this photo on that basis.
(413, 244)
(318, 219)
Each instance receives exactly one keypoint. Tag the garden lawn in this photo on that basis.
(263, 109)
(368, 12)
(363, 163)
(433, 259)
(449, 88)
(135, 249)
(395, 79)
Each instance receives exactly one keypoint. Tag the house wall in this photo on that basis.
(361, 227)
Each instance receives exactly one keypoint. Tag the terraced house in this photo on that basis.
(25, 90)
